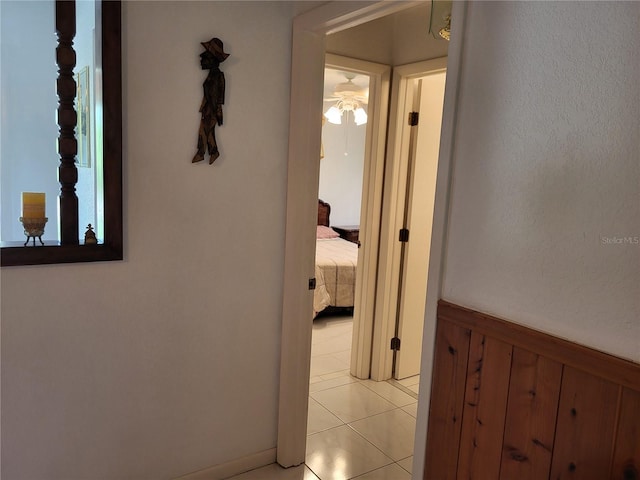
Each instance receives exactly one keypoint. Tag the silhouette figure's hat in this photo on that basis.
(214, 46)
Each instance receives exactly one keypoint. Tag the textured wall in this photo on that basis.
(167, 362)
(546, 170)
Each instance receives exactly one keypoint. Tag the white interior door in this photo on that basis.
(428, 94)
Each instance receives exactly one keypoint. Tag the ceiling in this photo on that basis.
(332, 77)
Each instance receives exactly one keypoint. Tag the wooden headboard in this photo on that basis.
(324, 211)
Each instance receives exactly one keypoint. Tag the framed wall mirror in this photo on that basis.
(61, 130)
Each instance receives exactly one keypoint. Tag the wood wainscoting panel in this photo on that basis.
(626, 459)
(512, 403)
(586, 425)
(445, 412)
(531, 416)
(600, 364)
(485, 406)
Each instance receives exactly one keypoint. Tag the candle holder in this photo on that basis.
(33, 227)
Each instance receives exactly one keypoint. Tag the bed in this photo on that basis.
(336, 261)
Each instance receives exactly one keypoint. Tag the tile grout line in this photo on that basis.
(351, 380)
(401, 387)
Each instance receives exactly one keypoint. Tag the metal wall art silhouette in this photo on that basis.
(211, 108)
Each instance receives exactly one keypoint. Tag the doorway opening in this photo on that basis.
(381, 413)
(342, 159)
(359, 179)
(307, 66)
(347, 411)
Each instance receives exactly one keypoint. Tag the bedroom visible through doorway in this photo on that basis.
(342, 158)
(354, 113)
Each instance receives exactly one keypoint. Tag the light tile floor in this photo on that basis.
(356, 428)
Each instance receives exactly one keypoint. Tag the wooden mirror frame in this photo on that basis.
(69, 250)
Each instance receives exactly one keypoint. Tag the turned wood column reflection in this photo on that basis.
(67, 118)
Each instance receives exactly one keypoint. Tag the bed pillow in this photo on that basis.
(326, 232)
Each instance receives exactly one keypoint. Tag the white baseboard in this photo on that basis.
(234, 467)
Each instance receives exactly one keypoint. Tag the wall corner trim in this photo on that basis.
(234, 467)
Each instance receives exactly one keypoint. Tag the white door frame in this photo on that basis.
(395, 187)
(371, 204)
(307, 66)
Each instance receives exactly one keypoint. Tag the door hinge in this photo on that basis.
(413, 118)
(395, 343)
(404, 235)
(312, 283)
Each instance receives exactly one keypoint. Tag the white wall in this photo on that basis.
(341, 169)
(547, 170)
(167, 362)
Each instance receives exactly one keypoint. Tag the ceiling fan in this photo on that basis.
(349, 97)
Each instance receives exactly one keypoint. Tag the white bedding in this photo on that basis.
(336, 261)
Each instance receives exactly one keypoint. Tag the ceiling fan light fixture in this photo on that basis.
(348, 97)
(334, 115)
(360, 116)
